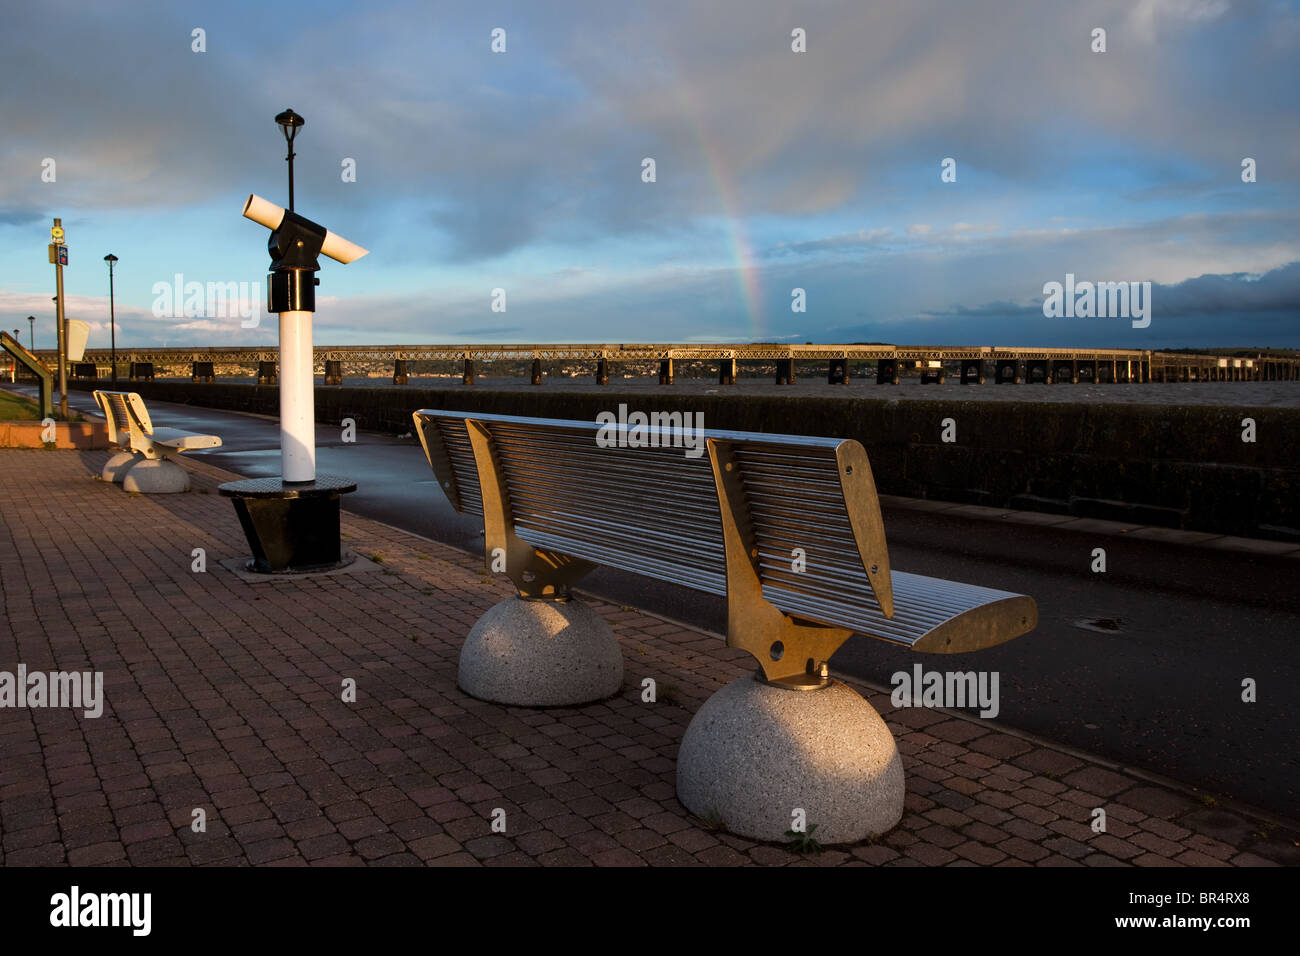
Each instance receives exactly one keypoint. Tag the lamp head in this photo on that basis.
(110, 258)
(290, 122)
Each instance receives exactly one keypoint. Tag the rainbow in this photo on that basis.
(741, 249)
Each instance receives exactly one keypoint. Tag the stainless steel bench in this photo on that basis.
(725, 523)
(142, 464)
(787, 528)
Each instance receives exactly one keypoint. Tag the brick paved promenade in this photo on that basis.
(225, 695)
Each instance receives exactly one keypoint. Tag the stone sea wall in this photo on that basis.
(1174, 466)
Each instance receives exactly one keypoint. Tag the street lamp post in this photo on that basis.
(57, 239)
(290, 122)
(112, 317)
(31, 332)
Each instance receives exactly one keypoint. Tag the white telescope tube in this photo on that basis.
(268, 214)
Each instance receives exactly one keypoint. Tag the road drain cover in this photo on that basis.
(1104, 625)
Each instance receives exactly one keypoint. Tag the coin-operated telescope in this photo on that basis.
(292, 522)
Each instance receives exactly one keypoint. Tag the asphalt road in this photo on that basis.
(1159, 688)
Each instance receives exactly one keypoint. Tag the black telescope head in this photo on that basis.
(296, 243)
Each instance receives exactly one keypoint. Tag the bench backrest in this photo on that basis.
(657, 511)
(128, 419)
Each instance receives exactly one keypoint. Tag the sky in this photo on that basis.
(775, 169)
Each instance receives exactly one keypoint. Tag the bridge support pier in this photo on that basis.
(400, 376)
(933, 376)
(727, 371)
(333, 372)
(972, 372)
(201, 372)
(837, 373)
(468, 377)
(140, 370)
(602, 371)
(266, 373)
(537, 372)
(665, 371)
(887, 372)
(1037, 373)
(1006, 370)
(785, 371)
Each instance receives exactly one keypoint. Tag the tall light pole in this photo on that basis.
(31, 332)
(112, 317)
(290, 122)
(59, 256)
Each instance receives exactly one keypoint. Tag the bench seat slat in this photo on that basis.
(183, 440)
(708, 578)
(930, 614)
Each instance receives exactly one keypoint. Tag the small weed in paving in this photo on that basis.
(804, 842)
(711, 819)
(1207, 799)
(377, 558)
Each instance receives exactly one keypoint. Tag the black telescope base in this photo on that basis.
(292, 527)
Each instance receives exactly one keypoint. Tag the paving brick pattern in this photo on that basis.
(226, 696)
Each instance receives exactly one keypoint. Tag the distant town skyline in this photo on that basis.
(911, 173)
